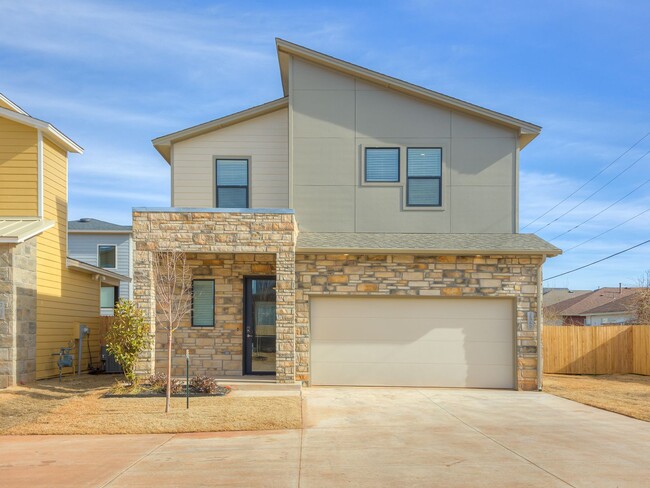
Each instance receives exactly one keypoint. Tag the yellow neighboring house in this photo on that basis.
(46, 298)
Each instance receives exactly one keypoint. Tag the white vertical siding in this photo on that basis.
(264, 139)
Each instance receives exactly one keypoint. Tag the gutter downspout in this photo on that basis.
(540, 326)
(39, 175)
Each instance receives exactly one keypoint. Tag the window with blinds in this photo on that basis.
(232, 183)
(382, 165)
(202, 303)
(423, 176)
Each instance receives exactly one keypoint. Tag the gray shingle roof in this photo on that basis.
(95, 225)
(422, 243)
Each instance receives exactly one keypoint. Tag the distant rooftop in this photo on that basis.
(94, 225)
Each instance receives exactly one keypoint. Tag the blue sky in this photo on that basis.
(114, 75)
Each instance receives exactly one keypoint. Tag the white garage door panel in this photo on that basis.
(448, 375)
(498, 353)
(389, 341)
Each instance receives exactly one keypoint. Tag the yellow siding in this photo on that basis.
(18, 169)
(3, 104)
(65, 297)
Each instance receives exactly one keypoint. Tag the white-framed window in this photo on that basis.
(108, 297)
(107, 256)
(232, 182)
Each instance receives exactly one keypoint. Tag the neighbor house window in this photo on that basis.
(232, 183)
(106, 256)
(108, 297)
(423, 176)
(382, 165)
(203, 303)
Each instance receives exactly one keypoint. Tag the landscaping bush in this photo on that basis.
(158, 382)
(204, 384)
(127, 337)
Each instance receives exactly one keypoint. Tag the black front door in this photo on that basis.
(259, 319)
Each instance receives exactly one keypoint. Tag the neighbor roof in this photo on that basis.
(527, 130)
(88, 225)
(609, 299)
(19, 229)
(106, 276)
(426, 243)
(557, 295)
(20, 116)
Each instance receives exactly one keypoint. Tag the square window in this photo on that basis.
(203, 303)
(382, 165)
(232, 183)
(423, 177)
(106, 256)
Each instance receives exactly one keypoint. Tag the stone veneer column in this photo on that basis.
(144, 296)
(18, 328)
(285, 362)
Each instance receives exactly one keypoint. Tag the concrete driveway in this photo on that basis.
(363, 437)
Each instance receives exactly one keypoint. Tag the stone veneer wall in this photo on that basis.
(18, 328)
(218, 350)
(444, 276)
(220, 231)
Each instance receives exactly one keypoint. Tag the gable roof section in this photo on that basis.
(601, 300)
(4, 100)
(48, 129)
(20, 229)
(103, 275)
(163, 144)
(443, 244)
(527, 130)
(93, 226)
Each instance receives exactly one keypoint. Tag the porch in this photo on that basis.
(245, 259)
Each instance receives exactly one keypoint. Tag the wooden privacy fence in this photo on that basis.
(603, 349)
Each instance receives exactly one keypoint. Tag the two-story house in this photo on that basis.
(360, 230)
(108, 246)
(46, 297)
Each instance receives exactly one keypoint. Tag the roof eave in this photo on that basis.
(48, 129)
(99, 273)
(403, 86)
(78, 231)
(429, 252)
(163, 144)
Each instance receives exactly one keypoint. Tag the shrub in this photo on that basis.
(127, 337)
(204, 384)
(158, 382)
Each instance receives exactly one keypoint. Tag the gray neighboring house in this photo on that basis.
(360, 230)
(108, 246)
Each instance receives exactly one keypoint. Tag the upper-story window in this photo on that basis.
(382, 165)
(106, 256)
(232, 183)
(423, 176)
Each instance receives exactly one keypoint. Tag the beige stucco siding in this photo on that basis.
(335, 116)
(263, 139)
(18, 169)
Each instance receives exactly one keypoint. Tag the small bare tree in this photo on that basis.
(173, 280)
(640, 301)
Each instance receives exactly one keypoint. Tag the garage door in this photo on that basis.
(391, 341)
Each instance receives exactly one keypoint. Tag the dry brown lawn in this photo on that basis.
(627, 394)
(78, 406)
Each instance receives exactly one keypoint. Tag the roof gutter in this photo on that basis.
(99, 274)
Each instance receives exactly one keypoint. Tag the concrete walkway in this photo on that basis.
(362, 437)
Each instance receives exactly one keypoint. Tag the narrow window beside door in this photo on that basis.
(203, 303)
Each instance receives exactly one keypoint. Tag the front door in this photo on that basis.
(259, 319)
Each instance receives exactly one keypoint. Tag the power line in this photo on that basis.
(594, 193)
(608, 230)
(596, 262)
(587, 182)
(602, 211)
